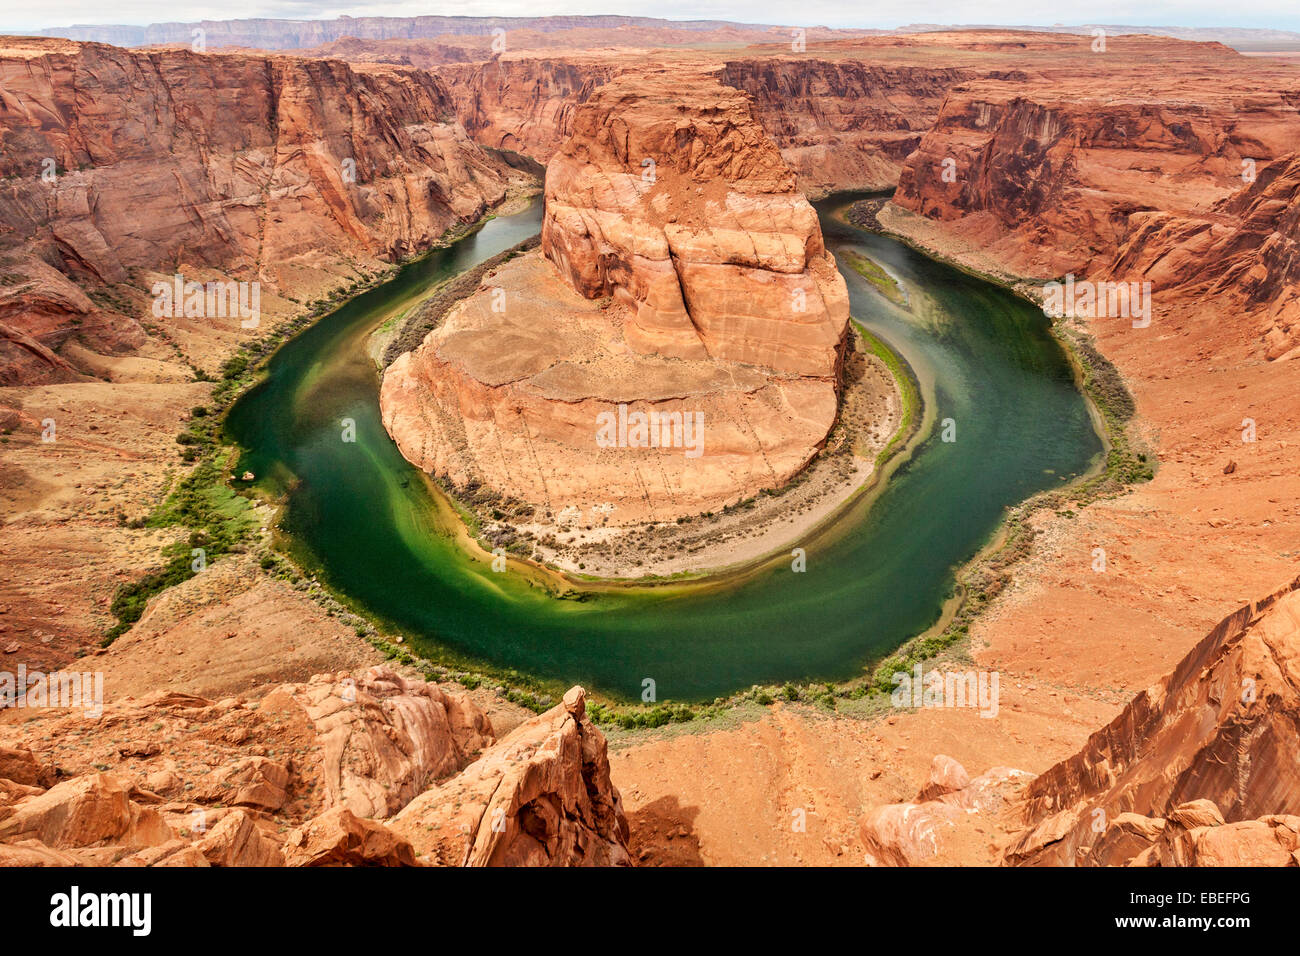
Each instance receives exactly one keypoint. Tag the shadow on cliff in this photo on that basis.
(663, 834)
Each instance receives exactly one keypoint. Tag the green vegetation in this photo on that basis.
(880, 280)
(219, 521)
(908, 390)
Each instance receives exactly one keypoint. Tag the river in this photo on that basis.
(365, 521)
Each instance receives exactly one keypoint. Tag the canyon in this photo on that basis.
(297, 174)
(1124, 164)
(842, 123)
(271, 34)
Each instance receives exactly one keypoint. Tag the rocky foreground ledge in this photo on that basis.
(1201, 769)
(377, 770)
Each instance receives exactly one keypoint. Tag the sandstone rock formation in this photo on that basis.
(237, 839)
(703, 291)
(920, 833)
(1047, 168)
(671, 198)
(541, 797)
(273, 169)
(339, 837)
(844, 123)
(383, 738)
(91, 811)
(1199, 770)
(1244, 251)
(1217, 740)
(1195, 834)
(525, 103)
(297, 778)
(1183, 177)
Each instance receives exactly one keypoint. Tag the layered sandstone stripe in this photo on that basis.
(671, 198)
(681, 274)
(284, 171)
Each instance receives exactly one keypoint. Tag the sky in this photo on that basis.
(1273, 14)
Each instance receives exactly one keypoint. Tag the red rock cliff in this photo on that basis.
(524, 104)
(842, 124)
(248, 164)
(1223, 730)
(671, 197)
(1185, 178)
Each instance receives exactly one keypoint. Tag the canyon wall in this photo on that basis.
(840, 124)
(843, 124)
(524, 104)
(681, 274)
(1186, 179)
(1215, 742)
(1244, 251)
(117, 162)
(541, 797)
(1050, 181)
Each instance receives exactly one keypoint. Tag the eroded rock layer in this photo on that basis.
(335, 759)
(843, 123)
(840, 123)
(671, 198)
(263, 167)
(525, 103)
(684, 277)
(1222, 729)
(542, 797)
(1185, 178)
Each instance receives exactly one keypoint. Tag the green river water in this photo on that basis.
(363, 519)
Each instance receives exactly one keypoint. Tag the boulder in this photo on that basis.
(20, 765)
(237, 840)
(339, 837)
(88, 811)
(384, 739)
(252, 782)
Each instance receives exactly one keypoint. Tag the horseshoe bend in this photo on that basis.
(682, 286)
(612, 441)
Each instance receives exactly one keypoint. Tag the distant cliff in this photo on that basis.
(269, 34)
(115, 160)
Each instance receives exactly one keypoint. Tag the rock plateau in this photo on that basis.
(681, 274)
